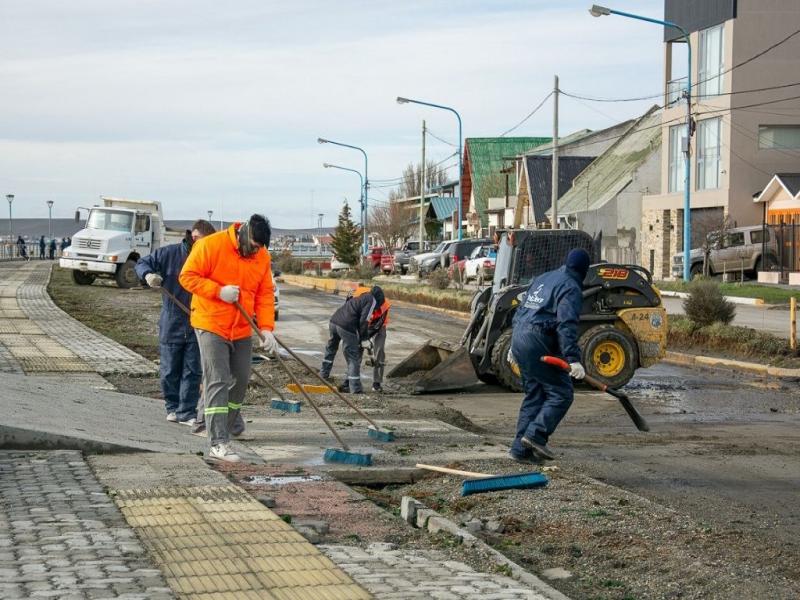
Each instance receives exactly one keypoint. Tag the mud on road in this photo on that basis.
(703, 506)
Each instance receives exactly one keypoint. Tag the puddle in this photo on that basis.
(280, 480)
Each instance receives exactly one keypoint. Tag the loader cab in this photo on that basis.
(525, 254)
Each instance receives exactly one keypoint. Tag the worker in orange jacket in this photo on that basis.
(224, 268)
(377, 324)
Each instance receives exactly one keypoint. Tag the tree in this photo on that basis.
(391, 223)
(409, 182)
(709, 228)
(346, 238)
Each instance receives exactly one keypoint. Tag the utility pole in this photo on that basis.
(554, 191)
(422, 192)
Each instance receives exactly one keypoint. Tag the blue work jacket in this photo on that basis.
(167, 261)
(553, 302)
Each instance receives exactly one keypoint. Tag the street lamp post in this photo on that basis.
(601, 11)
(365, 187)
(10, 198)
(402, 100)
(210, 213)
(50, 218)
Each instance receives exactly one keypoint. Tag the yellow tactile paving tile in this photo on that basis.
(220, 543)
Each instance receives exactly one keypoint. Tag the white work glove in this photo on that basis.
(268, 342)
(576, 370)
(229, 293)
(153, 280)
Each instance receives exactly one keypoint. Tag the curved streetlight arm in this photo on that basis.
(360, 176)
(403, 100)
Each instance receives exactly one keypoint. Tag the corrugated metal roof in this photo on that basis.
(444, 206)
(613, 170)
(485, 162)
(540, 179)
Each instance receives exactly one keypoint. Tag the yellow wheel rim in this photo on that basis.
(608, 358)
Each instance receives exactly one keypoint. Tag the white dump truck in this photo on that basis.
(115, 236)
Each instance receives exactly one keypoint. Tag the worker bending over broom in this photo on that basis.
(378, 322)
(547, 324)
(350, 324)
(225, 268)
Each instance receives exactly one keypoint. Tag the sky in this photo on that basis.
(208, 105)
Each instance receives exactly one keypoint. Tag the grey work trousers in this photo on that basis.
(378, 355)
(226, 372)
(238, 426)
(351, 348)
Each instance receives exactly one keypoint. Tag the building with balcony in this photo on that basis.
(745, 128)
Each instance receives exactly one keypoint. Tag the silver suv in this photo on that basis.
(734, 250)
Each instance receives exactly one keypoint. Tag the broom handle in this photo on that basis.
(451, 471)
(182, 306)
(313, 404)
(335, 391)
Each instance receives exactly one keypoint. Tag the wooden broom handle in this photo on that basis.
(451, 471)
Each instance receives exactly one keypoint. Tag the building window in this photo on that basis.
(779, 136)
(676, 177)
(708, 139)
(710, 64)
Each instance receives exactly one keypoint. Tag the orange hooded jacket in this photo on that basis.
(215, 262)
(378, 312)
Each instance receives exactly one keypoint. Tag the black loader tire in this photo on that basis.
(126, 275)
(695, 270)
(609, 354)
(487, 378)
(500, 365)
(81, 278)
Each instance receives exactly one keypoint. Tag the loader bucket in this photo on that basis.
(442, 365)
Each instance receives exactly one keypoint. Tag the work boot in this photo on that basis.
(344, 388)
(539, 450)
(526, 460)
(224, 452)
(199, 428)
(377, 387)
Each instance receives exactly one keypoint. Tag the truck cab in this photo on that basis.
(114, 237)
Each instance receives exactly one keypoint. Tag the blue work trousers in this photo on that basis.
(180, 377)
(548, 390)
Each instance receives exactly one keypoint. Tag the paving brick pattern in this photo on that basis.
(104, 355)
(62, 537)
(391, 574)
(219, 542)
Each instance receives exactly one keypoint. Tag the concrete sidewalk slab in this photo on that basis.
(39, 412)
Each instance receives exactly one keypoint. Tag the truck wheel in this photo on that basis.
(609, 355)
(126, 275)
(81, 278)
(696, 270)
(500, 365)
(768, 264)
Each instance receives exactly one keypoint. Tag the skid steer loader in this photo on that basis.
(623, 324)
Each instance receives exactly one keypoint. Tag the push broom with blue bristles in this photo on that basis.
(279, 403)
(478, 483)
(374, 431)
(337, 455)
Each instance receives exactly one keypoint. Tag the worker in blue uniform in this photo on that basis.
(179, 369)
(546, 323)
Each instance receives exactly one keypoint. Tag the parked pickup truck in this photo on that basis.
(734, 251)
(403, 256)
(116, 235)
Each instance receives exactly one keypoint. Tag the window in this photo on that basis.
(732, 240)
(708, 138)
(710, 64)
(779, 136)
(142, 223)
(757, 236)
(676, 178)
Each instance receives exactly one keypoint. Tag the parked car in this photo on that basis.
(461, 249)
(736, 250)
(428, 261)
(402, 257)
(480, 264)
(387, 263)
(337, 265)
(375, 255)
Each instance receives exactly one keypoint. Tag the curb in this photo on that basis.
(415, 514)
(733, 299)
(711, 362)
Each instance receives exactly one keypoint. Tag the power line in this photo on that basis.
(530, 114)
(436, 137)
(718, 75)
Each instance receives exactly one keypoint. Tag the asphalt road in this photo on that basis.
(723, 448)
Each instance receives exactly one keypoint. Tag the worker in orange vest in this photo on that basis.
(225, 268)
(377, 328)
